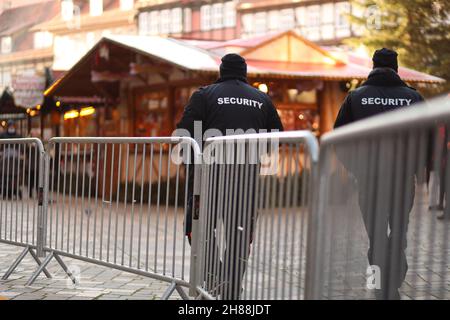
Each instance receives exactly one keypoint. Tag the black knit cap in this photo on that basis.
(385, 58)
(233, 66)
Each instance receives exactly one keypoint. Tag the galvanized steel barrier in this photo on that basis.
(118, 202)
(22, 197)
(269, 219)
(254, 211)
(372, 235)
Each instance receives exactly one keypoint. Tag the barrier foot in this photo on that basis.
(38, 261)
(19, 260)
(16, 263)
(181, 292)
(64, 267)
(169, 291)
(40, 269)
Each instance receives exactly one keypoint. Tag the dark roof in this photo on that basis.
(17, 19)
(7, 105)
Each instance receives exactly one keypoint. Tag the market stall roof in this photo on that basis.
(284, 55)
(8, 109)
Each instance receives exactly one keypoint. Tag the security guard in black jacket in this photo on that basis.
(383, 91)
(230, 104)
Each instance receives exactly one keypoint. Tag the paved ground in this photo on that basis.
(428, 255)
(95, 282)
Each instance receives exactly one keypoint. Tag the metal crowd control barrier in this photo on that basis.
(373, 235)
(254, 211)
(22, 197)
(120, 203)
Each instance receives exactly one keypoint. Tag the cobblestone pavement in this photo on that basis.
(427, 278)
(95, 282)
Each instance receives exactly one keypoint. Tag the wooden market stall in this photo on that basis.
(139, 85)
(9, 111)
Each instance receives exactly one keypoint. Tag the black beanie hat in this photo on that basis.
(233, 66)
(385, 58)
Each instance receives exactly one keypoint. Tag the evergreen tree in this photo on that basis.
(419, 30)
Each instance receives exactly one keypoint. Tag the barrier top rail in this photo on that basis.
(283, 137)
(392, 121)
(139, 140)
(24, 141)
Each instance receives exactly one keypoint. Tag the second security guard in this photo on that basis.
(386, 228)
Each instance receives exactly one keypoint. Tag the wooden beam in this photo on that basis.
(148, 68)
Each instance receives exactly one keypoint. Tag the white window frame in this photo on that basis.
(327, 15)
(287, 18)
(164, 20)
(273, 20)
(6, 45)
(67, 10)
(217, 16)
(143, 23)
(126, 5)
(43, 39)
(300, 15)
(176, 25)
(95, 7)
(6, 79)
(187, 20)
(230, 14)
(342, 24)
(154, 23)
(247, 24)
(313, 22)
(260, 22)
(359, 12)
(205, 17)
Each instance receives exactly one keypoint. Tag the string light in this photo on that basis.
(263, 87)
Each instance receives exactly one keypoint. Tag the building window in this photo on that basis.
(165, 21)
(67, 10)
(287, 19)
(358, 12)
(126, 5)
(6, 45)
(6, 82)
(247, 24)
(312, 30)
(230, 14)
(342, 23)
(217, 16)
(153, 22)
(260, 21)
(96, 7)
(327, 21)
(43, 39)
(177, 20)
(205, 17)
(187, 20)
(274, 20)
(143, 23)
(300, 16)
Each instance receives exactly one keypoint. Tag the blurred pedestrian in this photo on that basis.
(10, 158)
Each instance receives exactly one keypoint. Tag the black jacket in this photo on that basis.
(230, 103)
(383, 91)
